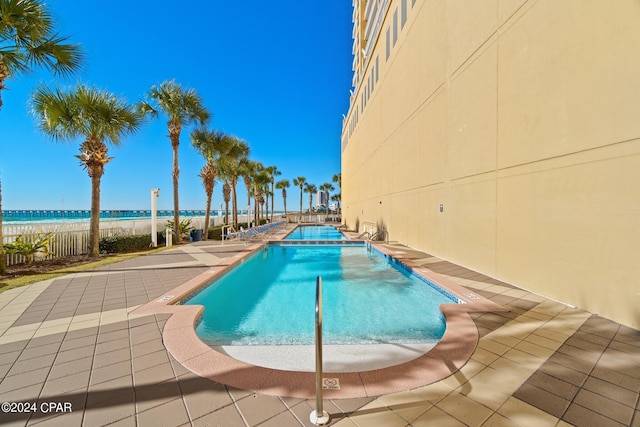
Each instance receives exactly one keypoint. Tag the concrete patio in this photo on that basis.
(75, 341)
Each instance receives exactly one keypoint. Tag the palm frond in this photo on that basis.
(182, 106)
(84, 111)
(28, 39)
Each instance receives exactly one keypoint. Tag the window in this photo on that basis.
(377, 68)
(403, 13)
(395, 26)
(388, 43)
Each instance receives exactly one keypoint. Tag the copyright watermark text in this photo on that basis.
(43, 407)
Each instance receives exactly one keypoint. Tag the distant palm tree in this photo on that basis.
(183, 107)
(326, 188)
(28, 39)
(209, 144)
(261, 182)
(251, 169)
(246, 171)
(97, 116)
(336, 198)
(233, 155)
(337, 178)
(311, 189)
(300, 181)
(283, 185)
(273, 172)
(226, 196)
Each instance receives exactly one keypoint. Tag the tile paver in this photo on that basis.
(74, 339)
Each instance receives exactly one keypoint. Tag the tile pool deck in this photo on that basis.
(75, 340)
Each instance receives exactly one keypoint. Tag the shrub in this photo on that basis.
(37, 248)
(215, 233)
(185, 227)
(117, 244)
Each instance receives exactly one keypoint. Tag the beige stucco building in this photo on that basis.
(503, 135)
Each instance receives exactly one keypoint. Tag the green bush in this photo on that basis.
(37, 248)
(185, 227)
(215, 233)
(118, 244)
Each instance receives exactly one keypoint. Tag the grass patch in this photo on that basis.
(6, 284)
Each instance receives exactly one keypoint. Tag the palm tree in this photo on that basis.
(311, 189)
(96, 115)
(260, 186)
(233, 154)
(246, 172)
(283, 185)
(337, 178)
(300, 181)
(250, 170)
(28, 40)
(183, 107)
(273, 172)
(208, 143)
(326, 188)
(336, 198)
(226, 196)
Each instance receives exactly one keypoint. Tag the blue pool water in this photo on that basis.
(316, 232)
(270, 299)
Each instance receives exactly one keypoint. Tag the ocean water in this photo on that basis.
(27, 216)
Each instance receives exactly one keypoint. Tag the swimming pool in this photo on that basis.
(270, 299)
(316, 232)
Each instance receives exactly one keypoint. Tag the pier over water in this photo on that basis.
(46, 215)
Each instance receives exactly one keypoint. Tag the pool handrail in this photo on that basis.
(319, 416)
(364, 234)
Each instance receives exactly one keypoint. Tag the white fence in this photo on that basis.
(72, 238)
(316, 218)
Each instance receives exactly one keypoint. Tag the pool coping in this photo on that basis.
(450, 354)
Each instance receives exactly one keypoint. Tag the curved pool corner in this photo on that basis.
(449, 355)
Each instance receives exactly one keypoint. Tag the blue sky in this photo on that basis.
(276, 74)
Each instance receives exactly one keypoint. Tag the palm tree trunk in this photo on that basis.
(175, 143)
(206, 217)
(301, 201)
(94, 222)
(273, 196)
(284, 200)
(256, 212)
(248, 207)
(234, 202)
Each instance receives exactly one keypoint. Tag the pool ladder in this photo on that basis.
(319, 416)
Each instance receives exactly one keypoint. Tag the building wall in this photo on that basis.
(521, 119)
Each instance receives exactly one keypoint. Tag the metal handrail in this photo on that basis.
(361, 235)
(384, 233)
(230, 231)
(319, 416)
